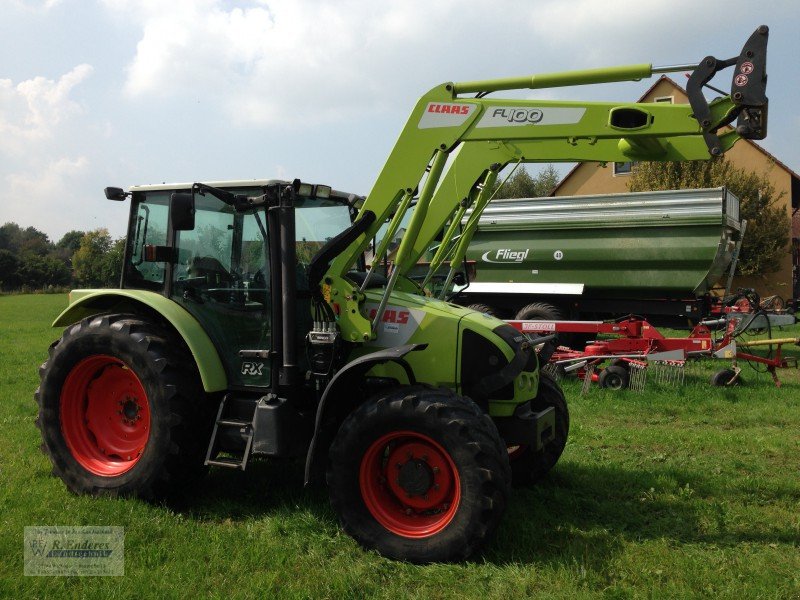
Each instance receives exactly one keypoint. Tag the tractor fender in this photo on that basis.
(92, 302)
(330, 413)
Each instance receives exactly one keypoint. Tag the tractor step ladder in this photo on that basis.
(244, 426)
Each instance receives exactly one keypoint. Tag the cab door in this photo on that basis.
(222, 278)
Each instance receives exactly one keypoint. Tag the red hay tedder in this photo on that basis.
(632, 346)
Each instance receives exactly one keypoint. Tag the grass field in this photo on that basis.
(690, 492)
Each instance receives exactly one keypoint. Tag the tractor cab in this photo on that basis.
(218, 261)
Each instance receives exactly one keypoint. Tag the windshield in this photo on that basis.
(316, 222)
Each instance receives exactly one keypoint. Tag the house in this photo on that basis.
(600, 178)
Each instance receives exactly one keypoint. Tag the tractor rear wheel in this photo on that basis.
(527, 465)
(419, 474)
(121, 409)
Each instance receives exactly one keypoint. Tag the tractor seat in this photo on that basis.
(215, 273)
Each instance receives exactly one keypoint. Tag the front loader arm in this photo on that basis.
(670, 133)
(490, 132)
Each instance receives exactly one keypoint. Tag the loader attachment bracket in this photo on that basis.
(748, 92)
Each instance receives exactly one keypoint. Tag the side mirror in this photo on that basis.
(115, 193)
(181, 211)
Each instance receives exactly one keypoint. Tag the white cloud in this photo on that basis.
(48, 183)
(39, 195)
(31, 109)
(44, 167)
(292, 62)
(286, 62)
(40, 6)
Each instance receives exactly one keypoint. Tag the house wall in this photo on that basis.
(599, 178)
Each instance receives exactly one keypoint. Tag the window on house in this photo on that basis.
(623, 168)
(669, 99)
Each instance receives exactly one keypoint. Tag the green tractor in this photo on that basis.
(247, 325)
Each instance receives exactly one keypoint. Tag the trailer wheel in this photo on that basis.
(419, 474)
(528, 466)
(483, 308)
(121, 410)
(538, 311)
(725, 378)
(614, 377)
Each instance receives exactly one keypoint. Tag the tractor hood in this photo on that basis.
(471, 352)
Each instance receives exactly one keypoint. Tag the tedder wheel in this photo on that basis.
(483, 308)
(538, 311)
(122, 410)
(528, 466)
(725, 377)
(614, 377)
(419, 474)
(541, 311)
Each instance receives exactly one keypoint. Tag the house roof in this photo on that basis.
(675, 85)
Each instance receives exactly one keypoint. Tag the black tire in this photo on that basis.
(528, 466)
(725, 378)
(614, 377)
(538, 311)
(455, 432)
(116, 351)
(483, 308)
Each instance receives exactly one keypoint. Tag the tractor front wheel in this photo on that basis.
(121, 409)
(420, 475)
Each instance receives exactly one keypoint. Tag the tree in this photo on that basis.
(9, 270)
(35, 242)
(112, 263)
(38, 272)
(522, 185)
(768, 224)
(18, 240)
(69, 244)
(88, 262)
(9, 237)
(71, 240)
(546, 181)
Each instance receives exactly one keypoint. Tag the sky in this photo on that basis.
(97, 93)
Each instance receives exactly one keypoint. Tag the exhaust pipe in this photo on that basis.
(289, 280)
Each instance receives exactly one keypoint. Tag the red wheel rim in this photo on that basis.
(409, 484)
(105, 415)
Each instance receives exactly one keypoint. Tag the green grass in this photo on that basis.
(690, 492)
